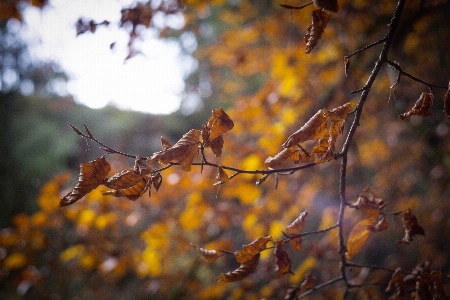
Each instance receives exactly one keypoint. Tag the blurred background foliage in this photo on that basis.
(252, 62)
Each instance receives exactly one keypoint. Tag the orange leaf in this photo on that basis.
(447, 102)
(330, 5)
(314, 31)
(420, 108)
(209, 255)
(315, 128)
(249, 251)
(244, 270)
(184, 151)
(218, 124)
(358, 237)
(296, 243)
(325, 150)
(411, 226)
(283, 262)
(91, 176)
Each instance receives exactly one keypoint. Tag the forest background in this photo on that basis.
(252, 62)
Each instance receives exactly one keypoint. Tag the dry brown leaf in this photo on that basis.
(92, 174)
(133, 192)
(411, 226)
(338, 115)
(283, 262)
(218, 124)
(216, 146)
(184, 151)
(358, 237)
(296, 243)
(314, 129)
(315, 30)
(123, 180)
(297, 225)
(381, 225)
(330, 5)
(421, 107)
(324, 151)
(250, 250)
(156, 180)
(244, 270)
(222, 176)
(447, 102)
(309, 282)
(287, 154)
(209, 255)
(396, 284)
(165, 144)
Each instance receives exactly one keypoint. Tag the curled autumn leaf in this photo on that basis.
(216, 146)
(250, 250)
(92, 174)
(421, 107)
(297, 225)
(358, 237)
(156, 180)
(315, 30)
(123, 180)
(165, 144)
(244, 270)
(132, 192)
(184, 151)
(315, 128)
(330, 5)
(218, 124)
(411, 226)
(381, 225)
(447, 102)
(209, 255)
(396, 284)
(324, 151)
(294, 229)
(287, 154)
(283, 262)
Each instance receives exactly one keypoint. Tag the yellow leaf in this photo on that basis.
(358, 237)
(15, 261)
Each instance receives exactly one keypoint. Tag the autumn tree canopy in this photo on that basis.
(323, 170)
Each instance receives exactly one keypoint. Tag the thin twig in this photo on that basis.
(295, 7)
(318, 287)
(366, 47)
(400, 70)
(352, 264)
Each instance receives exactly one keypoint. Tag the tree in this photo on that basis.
(310, 131)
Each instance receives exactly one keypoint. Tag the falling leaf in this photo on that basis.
(92, 174)
(222, 176)
(314, 129)
(330, 5)
(209, 255)
(218, 124)
(250, 250)
(447, 102)
(421, 107)
(283, 262)
(314, 31)
(133, 192)
(244, 270)
(184, 151)
(309, 282)
(411, 226)
(358, 237)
